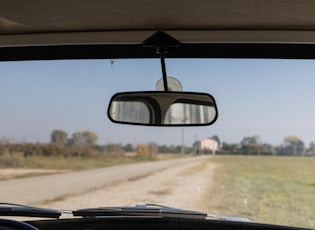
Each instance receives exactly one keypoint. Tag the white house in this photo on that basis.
(208, 145)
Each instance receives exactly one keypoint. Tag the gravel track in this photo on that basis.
(183, 186)
(180, 183)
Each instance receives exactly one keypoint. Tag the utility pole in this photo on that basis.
(183, 147)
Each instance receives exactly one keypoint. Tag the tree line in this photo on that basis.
(84, 144)
(87, 138)
(81, 138)
(252, 145)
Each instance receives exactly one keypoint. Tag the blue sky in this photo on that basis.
(269, 98)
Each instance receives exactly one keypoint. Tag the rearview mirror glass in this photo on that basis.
(159, 108)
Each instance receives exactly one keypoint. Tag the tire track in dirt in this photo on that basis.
(183, 185)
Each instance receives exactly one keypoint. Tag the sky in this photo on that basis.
(268, 98)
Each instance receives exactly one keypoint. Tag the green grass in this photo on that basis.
(278, 190)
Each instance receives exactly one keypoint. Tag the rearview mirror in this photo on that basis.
(160, 108)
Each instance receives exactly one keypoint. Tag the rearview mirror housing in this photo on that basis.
(160, 108)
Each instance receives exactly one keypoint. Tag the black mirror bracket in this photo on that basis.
(162, 51)
(161, 41)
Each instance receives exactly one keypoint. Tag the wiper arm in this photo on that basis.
(229, 218)
(147, 210)
(9, 209)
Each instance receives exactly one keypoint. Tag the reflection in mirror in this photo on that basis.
(183, 113)
(130, 111)
(159, 108)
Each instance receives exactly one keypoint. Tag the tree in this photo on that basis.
(59, 137)
(311, 149)
(267, 149)
(217, 139)
(293, 146)
(251, 145)
(114, 150)
(196, 147)
(162, 149)
(128, 148)
(231, 148)
(84, 138)
(253, 140)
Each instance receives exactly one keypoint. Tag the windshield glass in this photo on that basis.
(59, 150)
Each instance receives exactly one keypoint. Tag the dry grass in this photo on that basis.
(7, 174)
(62, 163)
(278, 190)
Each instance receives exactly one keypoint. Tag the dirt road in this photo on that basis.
(180, 183)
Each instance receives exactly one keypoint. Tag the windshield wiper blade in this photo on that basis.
(147, 210)
(9, 209)
(152, 210)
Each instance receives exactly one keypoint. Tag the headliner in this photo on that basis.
(41, 22)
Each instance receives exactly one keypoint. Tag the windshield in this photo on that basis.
(58, 149)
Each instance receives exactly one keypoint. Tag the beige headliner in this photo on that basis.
(131, 21)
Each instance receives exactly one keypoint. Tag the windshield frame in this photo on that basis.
(74, 52)
(200, 50)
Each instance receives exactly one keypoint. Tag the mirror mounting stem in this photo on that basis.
(162, 50)
(161, 41)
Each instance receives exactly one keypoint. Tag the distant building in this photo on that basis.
(207, 146)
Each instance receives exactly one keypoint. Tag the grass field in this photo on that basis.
(278, 190)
